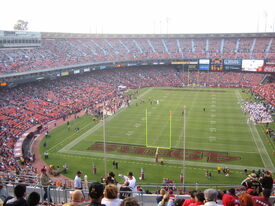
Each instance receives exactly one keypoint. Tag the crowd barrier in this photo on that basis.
(61, 195)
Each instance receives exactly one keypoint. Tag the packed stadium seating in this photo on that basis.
(40, 102)
(72, 51)
(266, 91)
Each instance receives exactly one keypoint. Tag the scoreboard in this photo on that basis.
(216, 64)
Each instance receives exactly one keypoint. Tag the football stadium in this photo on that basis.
(143, 115)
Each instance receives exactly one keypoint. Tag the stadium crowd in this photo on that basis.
(255, 190)
(38, 103)
(266, 91)
(258, 112)
(71, 51)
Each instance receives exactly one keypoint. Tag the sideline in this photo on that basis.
(258, 141)
(98, 126)
(39, 161)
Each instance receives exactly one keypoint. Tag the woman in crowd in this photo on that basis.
(111, 196)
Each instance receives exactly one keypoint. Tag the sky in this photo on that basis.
(140, 16)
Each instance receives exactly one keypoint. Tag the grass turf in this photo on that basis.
(222, 127)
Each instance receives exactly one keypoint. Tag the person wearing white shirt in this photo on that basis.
(132, 182)
(77, 181)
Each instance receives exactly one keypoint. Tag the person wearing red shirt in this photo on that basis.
(199, 199)
(230, 199)
(262, 200)
(187, 202)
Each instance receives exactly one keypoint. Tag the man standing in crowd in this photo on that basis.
(77, 181)
(267, 180)
(132, 181)
(45, 181)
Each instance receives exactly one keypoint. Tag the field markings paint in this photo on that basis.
(150, 159)
(65, 139)
(98, 126)
(235, 151)
(129, 133)
(212, 139)
(157, 138)
(212, 129)
(131, 162)
(258, 141)
(187, 117)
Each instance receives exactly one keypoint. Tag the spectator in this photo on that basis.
(199, 199)
(179, 202)
(262, 200)
(267, 180)
(245, 200)
(165, 199)
(110, 179)
(3, 192)
(46, 181)
(96, 193)
(210, 196)
(219, 198)
(187, 202)
(111, 196)
(77, 198)
(229, 198)
(33, 199)
(77, 181)
(19, 199)
(125, 191)
(132, 182)
(252, 182)
(162, 193)
(129, 201)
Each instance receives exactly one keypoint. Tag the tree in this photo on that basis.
(21, 25)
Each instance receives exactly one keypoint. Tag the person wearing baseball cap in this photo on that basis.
(45, 181)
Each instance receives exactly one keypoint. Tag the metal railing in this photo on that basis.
(60, 195)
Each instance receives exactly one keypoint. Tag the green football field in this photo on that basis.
(212, 131)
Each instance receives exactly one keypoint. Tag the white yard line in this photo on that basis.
(98, 126)
(187, 115)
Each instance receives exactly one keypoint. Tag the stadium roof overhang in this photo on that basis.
(55, 35)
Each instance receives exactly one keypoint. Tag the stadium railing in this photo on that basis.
(60, 195)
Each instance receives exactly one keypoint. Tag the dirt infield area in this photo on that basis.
(211, 156)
